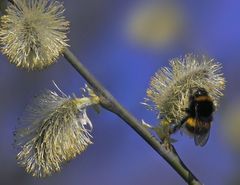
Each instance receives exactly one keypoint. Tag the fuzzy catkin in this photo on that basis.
(54, 130)
(170, 88)
(33, 33)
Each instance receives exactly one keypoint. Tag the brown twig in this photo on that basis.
(111, 104)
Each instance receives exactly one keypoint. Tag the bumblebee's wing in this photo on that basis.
(201, 140)
(201, 133)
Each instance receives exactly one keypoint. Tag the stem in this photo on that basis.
(108, 102)
(86, 101)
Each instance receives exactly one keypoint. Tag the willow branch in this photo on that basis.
(110, 103)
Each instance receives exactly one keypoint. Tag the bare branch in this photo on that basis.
(111, 104)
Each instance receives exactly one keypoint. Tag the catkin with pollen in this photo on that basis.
(54, 129)
(33, 33)
(169, 89)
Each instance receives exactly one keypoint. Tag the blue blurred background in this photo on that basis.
(123, 43)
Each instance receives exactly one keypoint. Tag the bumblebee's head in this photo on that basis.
(199, 92)
(201, 105)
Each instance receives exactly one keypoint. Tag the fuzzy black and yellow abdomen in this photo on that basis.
(196, 126)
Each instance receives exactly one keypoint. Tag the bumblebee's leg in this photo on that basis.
(176, 127)
(187, 110)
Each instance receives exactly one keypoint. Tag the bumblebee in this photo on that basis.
(199, 116)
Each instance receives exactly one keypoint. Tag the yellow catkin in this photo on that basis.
(55, 129)
(169, 89)
(33, 33)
